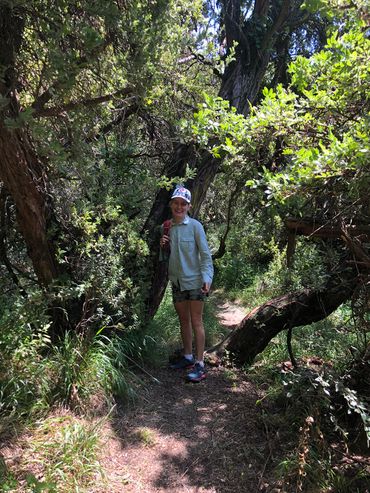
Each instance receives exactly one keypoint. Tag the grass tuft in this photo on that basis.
(145, 436)
(60, 454)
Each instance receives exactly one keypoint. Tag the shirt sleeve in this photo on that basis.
(206, 264)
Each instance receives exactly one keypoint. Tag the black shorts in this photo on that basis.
(187, 295)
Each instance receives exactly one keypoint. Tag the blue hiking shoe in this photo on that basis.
(183, 363)
(197, 374)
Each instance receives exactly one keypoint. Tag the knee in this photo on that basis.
(185, 321)
(198, 327)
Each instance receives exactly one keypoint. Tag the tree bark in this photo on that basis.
(256, 330)
(20, 171)
(253, 41)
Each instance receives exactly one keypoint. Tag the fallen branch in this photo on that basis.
(264, 322)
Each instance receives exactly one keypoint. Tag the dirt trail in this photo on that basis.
(193, 438)
(230, 313)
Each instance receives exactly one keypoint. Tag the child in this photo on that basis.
(190, 270)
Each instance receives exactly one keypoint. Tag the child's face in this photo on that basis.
(179, 208)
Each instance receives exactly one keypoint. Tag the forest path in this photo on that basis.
(229, 313)
(194, 438)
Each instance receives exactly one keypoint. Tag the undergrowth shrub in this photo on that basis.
(70, 454)
(254, 283)
(35, 373)
(315, 340)
(308, 270)
(108, 260)
(234, 272)
(89, 370)
(24, 371)
(249, 251)
(314, 410)
(315, 413)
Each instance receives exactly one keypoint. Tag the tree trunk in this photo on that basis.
(24, 176)
(263, 323)
(20, 169)
(21, 173)
(253, 41)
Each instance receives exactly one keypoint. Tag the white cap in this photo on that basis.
(183, 193)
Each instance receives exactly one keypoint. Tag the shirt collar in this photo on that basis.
(184, 221)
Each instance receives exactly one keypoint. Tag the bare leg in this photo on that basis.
(183, 312)
(196, 314)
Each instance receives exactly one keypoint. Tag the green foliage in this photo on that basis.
(234, 272)
(355, 404)
(36, 374)
(8, 481)
(72, 458)
(338, 8)
(315, 340)
(121, 43)
(306, 139)
(308, 407)
(215, 119)
(91, 369)
(108, 255)
(310, 403)
(37, 486)
(307, 272)
(251, 241)
(238, 273)
(24, 372)
(84, 66)
(323, 124)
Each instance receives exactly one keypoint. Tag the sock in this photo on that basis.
(201, 363)
(188, 356)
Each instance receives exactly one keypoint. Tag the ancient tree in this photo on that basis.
(253, 38)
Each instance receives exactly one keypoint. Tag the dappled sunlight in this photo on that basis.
(202, 436)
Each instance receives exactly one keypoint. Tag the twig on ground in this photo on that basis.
(143, 370)
(187, 469)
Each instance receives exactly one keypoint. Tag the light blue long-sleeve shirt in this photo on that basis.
(190, 263)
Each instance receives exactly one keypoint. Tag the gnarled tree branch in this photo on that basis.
(91, 102)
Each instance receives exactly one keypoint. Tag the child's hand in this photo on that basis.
(205, 288)
(164, 241)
